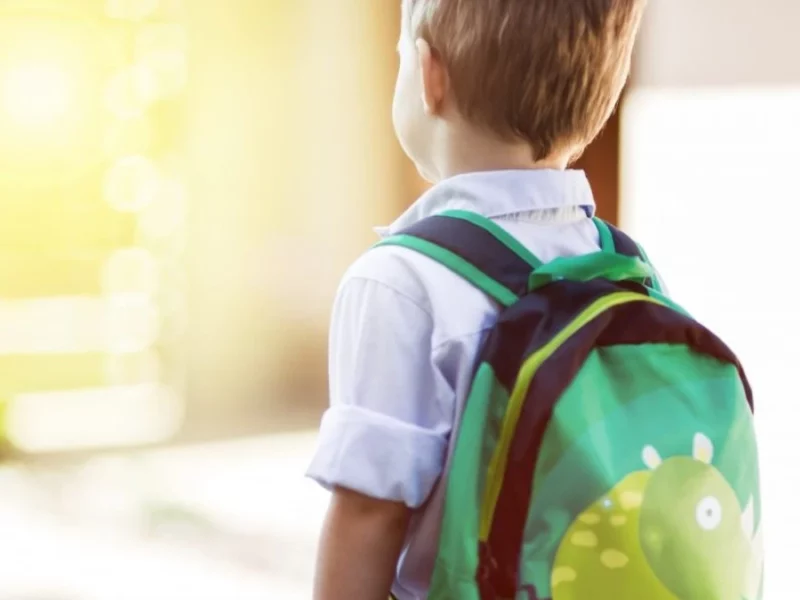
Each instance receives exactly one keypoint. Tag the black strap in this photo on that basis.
(477, 246)
(623, 243)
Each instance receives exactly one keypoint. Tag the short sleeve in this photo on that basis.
(386, 431)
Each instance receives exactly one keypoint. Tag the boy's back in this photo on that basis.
(493, 101)
(406, 332)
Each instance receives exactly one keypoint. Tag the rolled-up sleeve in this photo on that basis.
(386, 431)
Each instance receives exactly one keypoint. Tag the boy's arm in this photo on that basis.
(382, 443)
(359, 547)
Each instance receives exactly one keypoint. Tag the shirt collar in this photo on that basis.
(495, 194)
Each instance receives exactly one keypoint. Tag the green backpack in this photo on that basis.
(606, 450)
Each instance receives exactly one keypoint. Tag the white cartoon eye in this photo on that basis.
(708, 513)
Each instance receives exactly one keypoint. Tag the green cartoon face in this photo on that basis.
(673, 531)
(690, 526)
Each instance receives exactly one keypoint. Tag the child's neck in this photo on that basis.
(467, 151)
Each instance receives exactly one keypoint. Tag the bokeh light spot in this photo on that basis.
(132, 184)
(37, 94)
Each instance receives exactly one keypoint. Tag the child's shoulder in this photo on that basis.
(404, 273)
(396, 269)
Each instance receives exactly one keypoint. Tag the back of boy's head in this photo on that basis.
(545, 72)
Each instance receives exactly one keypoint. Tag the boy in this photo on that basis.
(494, 99)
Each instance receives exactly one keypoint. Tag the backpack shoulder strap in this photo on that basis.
(615, 240)
(475, 248)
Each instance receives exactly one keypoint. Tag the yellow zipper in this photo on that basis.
(499, 461)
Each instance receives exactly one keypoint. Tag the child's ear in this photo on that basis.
(434, 78)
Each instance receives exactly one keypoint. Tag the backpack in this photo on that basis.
(606, 450)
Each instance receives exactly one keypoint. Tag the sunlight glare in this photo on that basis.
(37, 94)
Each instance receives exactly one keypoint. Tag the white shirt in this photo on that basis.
(404, 340)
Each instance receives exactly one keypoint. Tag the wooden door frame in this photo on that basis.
(601, 163)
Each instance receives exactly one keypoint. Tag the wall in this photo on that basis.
(719, 42)
(294, 162)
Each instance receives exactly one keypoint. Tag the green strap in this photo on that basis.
(602, 265)
(644, 254)
(607, 245)
(606, 239)
(598, 265)
(455, 263)
(508, 240)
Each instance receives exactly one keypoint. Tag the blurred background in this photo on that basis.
(182, 184)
